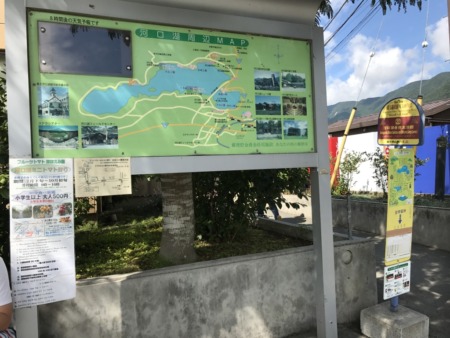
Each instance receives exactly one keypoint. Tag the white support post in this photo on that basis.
(26, 320)
(321, 204)
(324, 254)
(19, 128)
(19, 123)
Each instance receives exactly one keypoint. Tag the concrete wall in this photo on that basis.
(261, 295)
(430, 225)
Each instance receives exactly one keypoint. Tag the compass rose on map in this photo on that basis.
(278, 55)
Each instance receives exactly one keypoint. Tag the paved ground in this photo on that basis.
(430, 278)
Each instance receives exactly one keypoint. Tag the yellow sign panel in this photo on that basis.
(400, 123)
(400, 205)
(400, 217)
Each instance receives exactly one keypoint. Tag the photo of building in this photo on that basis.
(54, 101)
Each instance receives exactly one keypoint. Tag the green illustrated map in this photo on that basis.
(105, 88)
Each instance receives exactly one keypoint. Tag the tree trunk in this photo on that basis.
(177, 242)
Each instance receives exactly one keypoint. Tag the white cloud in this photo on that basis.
(439, 40)
(326, 36)
(390, 68)
(399, 57)
(371, 76)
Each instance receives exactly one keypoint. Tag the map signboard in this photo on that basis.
(113, 88)
(400, 205)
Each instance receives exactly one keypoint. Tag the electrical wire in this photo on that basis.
(335, 15)
(372, 54)
(352, 114)
(424, 47)
(358, 27)
(345, 22)
(372, 11)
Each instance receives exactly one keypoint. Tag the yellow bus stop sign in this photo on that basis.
(401, 122)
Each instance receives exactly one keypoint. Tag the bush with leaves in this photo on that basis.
(4, 174)
(82, 205)
(226, 203)
(348, 168)
(380, 163)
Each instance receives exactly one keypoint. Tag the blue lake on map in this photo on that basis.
(170, 78)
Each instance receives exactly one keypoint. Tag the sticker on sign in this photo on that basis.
(397, 280)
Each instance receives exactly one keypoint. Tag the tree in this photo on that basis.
(177, 242)
(226, 203)
(385, 4)
(380, 163)
(325, 8)
(348, 168)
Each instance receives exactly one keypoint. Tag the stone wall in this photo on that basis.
(261, 295)
(430, 225)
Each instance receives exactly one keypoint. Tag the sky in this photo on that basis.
(395, 40)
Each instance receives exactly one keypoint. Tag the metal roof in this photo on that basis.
(436, 113)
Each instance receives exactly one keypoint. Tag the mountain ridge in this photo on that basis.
(436, 88)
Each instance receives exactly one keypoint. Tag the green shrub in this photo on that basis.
(4, 174)
(226, 203)
(348, 168)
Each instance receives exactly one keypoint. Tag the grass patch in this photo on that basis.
(118, 249)
(430, 201)
(133, 245)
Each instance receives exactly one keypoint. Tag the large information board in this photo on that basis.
(111, 88)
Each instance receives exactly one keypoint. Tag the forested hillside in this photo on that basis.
(436, 88)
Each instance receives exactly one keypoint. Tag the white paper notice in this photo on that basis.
(42, 231)
(102, 176)
(398, 247)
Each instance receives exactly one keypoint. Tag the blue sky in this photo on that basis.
(396, 40)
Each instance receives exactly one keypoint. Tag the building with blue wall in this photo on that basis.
(362, 137)
(425, 181)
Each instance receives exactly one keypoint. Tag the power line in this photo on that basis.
(372, 54)
(365, 18)
(353, 32)
(345, 21)
(360, 25)
(424, 46)
(334, 16)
